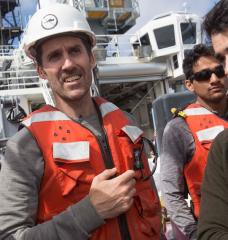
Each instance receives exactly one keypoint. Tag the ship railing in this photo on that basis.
(7, 50)
(11, 80)
(84, 5)
(135, 5)
(80, 5)
(95, 4)
(99, 4)
(114, 14)
(110, 46)
(114, 45)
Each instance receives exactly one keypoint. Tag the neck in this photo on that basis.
(77, 108)
(219, 107)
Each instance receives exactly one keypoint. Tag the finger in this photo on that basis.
(126, 176)
(106, 174)
(128, 186)
(132, 183)
(132, 193)
(127, 204)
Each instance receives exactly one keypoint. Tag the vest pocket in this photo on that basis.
(67, 178)
(73, 163)
(148, 207)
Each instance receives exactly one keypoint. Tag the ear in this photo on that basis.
(189, 85)
(92, 61)
(41, 72)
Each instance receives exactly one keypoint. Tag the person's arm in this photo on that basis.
(20, 179)
(213, 221)
(177, 149)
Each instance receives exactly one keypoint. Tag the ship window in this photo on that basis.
(165, 36)
(145, 41)
(188, 32)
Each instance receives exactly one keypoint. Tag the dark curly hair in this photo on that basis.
(192, 56)
(216, 20)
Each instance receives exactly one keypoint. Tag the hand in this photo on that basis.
(111, 197)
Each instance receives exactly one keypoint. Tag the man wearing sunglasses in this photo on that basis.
(187, 139)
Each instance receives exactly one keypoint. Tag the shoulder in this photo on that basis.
(23, 144)
(21, 137)
(177, 124)
(178, 135)
(130, 117)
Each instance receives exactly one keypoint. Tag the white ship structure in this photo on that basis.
(132, 69)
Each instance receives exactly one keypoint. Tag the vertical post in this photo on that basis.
(38, 3)
(2, 131)
(1, 42)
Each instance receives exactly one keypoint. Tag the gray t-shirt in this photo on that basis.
(20, 178)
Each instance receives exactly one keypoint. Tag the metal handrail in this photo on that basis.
(114, 46)
(22, 78)
(7, 50)
(119, 44)
(18, 85)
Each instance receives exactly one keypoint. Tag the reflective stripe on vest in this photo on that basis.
(133, 132)
(45, 116)
(209, 133)
(107, 107)
(197, 111)
(75, 151)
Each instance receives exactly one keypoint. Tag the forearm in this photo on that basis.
(180, 213)
(77, 222)
(173, 194)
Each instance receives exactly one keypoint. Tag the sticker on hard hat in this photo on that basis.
(49, 21)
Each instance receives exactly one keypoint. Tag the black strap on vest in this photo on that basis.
(108, 161)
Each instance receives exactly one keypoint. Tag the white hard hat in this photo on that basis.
(54, 20)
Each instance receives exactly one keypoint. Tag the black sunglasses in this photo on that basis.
(205, 74)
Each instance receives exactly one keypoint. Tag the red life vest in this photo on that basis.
(204, 126)
(73, 157)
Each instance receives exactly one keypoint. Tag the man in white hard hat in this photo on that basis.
(76, 170)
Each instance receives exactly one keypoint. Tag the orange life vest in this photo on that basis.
(204, 126)
(73, 156)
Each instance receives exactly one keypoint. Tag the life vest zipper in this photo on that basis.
(108, 161)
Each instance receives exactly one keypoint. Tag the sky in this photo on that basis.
(148, 8)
